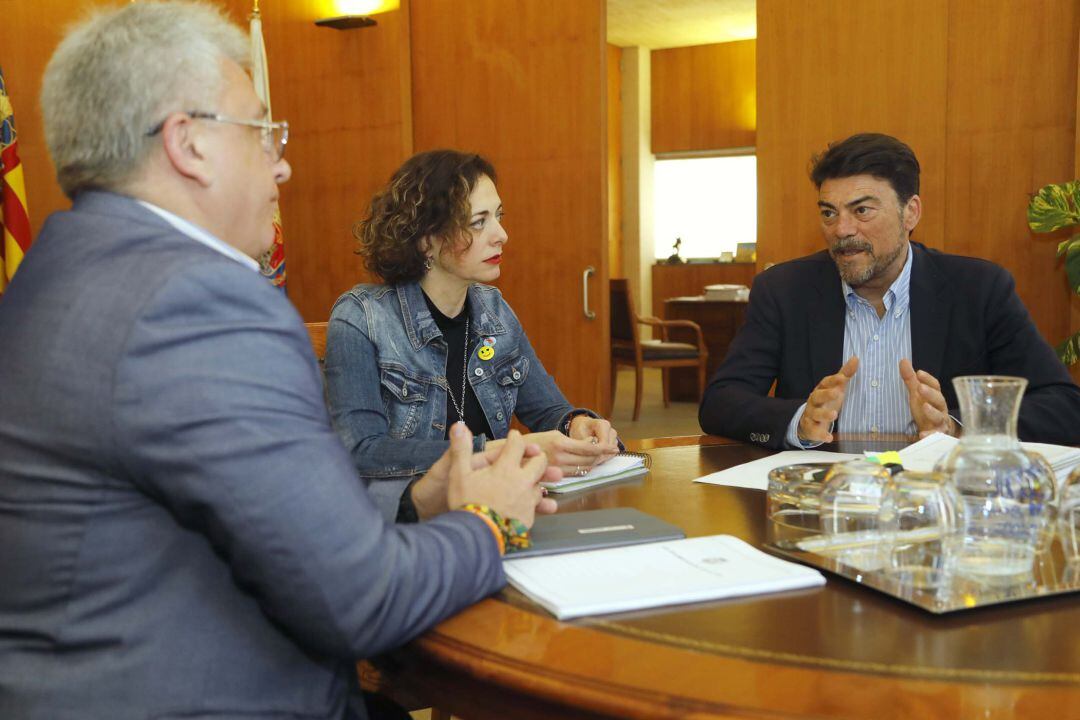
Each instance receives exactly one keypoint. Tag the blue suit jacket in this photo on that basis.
(966, 319)
(182, 533)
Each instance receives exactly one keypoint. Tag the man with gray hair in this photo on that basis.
(182, 533)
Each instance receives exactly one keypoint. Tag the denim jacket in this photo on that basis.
(384, 337)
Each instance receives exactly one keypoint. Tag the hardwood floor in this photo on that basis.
(656, 420)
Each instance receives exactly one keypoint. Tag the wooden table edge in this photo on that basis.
(695, 684)
(645, 444)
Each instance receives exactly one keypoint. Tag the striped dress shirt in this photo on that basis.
(876, 400)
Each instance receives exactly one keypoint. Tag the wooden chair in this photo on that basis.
(317, 331)
(627, 347)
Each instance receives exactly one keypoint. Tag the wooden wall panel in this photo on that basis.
(345, 94)
(524, 83)
(1010, 130)
(703, 97)
(347, 97)
(866, 67)
(614, 159)
(985, 93)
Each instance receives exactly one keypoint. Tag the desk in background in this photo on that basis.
(719, 321)
(670, 281)
(841, 651)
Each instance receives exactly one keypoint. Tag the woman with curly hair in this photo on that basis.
(439, 344)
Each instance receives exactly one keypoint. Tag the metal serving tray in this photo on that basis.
(1051, 573)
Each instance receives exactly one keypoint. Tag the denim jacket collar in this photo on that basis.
(421, 327)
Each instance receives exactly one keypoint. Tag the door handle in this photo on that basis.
(585, 292)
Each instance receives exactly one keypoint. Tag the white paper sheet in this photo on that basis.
(923, 455)
(755, 474)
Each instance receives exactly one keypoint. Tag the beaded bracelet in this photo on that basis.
(511, 534)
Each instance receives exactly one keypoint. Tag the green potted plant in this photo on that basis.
(1052, 208)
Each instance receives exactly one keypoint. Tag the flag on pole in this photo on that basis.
(272, 263)
(14, 220)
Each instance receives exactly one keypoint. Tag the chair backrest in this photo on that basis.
(317, 331)
(623, 319)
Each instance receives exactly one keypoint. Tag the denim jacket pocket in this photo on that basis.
(404, 399)
(509, 377)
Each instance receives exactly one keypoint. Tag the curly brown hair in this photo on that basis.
(428, 196)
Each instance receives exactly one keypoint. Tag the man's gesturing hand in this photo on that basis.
(928, 407)
(429, 492)
(823, 405)
(509, 485)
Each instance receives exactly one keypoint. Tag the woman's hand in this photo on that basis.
(573, 456)
(584, 427)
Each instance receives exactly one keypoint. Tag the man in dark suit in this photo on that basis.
(867, 335)
(182, 534)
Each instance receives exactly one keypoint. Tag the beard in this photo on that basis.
(856, 276)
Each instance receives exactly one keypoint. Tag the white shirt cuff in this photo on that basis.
(792, 437)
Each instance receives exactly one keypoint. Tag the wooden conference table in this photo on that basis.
(840, 651)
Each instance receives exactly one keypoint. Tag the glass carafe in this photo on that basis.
(1004, 492)
(1069, 519)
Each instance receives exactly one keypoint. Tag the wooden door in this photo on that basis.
(523, 83)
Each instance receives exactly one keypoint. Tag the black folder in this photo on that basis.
(595, 529)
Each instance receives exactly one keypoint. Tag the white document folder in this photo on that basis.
(652, 575)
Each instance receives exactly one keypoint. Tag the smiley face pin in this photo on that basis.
(485, 353)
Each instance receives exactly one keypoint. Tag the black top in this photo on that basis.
(453, 331)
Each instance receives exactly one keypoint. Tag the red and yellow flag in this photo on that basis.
(14, 220)
(272, 263)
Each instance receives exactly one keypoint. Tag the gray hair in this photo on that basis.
(117, 74)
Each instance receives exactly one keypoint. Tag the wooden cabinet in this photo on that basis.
(670, 281)
(719, 321)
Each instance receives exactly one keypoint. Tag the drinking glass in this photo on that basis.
(920, 512)
(851, 505)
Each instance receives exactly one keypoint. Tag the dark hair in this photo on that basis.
(427, 196)
(880, 156)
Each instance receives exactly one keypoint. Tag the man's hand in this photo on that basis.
(509, 483)
(823, 405)
(571, 455)
(928, 406)
(429, 493)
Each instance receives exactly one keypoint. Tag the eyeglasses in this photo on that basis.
(274, 135)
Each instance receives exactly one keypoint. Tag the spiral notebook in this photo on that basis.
(622, 466)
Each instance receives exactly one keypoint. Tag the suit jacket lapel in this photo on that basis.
(929, 312)
(826, 323)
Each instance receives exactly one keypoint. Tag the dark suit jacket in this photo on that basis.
(182, 533)
(966, 319)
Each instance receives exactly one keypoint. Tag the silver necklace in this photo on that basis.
(464, 376)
